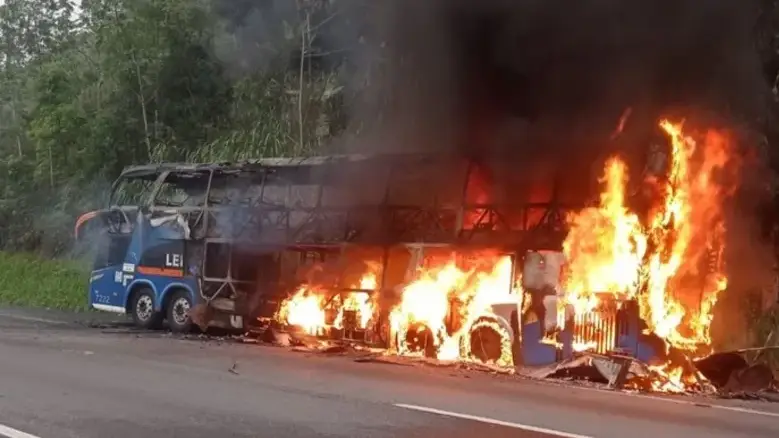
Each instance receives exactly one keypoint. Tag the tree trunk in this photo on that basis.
(303, 51)
(142, 101)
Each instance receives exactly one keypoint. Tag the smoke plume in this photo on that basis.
(538, 86)
(538, 82)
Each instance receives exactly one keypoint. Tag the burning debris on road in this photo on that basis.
(727, 375)
(723, 374)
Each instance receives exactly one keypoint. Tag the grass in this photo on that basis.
(30, 281)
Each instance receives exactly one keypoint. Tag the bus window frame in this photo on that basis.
(161, 181)
(150, 195)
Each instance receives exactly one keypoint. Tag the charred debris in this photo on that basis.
(740, 374)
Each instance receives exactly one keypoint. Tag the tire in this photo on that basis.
(142, 310)
(177, 312)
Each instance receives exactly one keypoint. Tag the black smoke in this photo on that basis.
(544, 82)
(560, 69)
(538, 84)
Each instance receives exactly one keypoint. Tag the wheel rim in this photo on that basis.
(144, 307)
(180, 311)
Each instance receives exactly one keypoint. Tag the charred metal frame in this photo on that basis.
(322, 229)
(414, 223)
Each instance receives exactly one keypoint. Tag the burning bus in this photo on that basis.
(233, 240)
(413, 253)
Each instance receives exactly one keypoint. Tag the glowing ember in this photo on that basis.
(580, 346)
(670, 378)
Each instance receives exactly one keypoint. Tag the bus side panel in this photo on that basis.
(163, 249)
(106, 290)
(161, 262)
(111, 273)
(125, 275)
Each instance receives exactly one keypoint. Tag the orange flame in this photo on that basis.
(304, 309)
(429, 299)
(605, 245)
(611, 250)
(653, 256)
(359, 302)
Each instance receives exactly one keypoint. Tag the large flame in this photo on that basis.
(430, 300)
(306, 308)
(665, 255)
(610, 249)
(671, 260)
(605, 245)
(359, 302)
(438, 294)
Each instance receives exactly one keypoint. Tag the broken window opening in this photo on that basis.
(183, 189)
(131, 192)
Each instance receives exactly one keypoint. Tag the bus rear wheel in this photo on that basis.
(177, 310)
(142, 310)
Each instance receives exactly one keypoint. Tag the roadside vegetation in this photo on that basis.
(767, 335)
(86, 91)
(29, 281)
(89, 87)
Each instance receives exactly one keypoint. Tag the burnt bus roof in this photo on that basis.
(153, 170)
(573, 187)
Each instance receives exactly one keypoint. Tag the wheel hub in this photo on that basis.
(180, 311)
(144, 308)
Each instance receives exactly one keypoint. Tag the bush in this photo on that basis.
(26, 280)
(767, 329)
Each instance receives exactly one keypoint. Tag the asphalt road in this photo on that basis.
(60, 379)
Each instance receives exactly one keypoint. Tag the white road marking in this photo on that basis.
(492, 421)
(723, 407)
(10, 432)
(697, 404)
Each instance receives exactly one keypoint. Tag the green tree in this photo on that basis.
(124, 82)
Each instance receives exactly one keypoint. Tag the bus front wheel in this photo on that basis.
(177, 310)
(143, 312)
